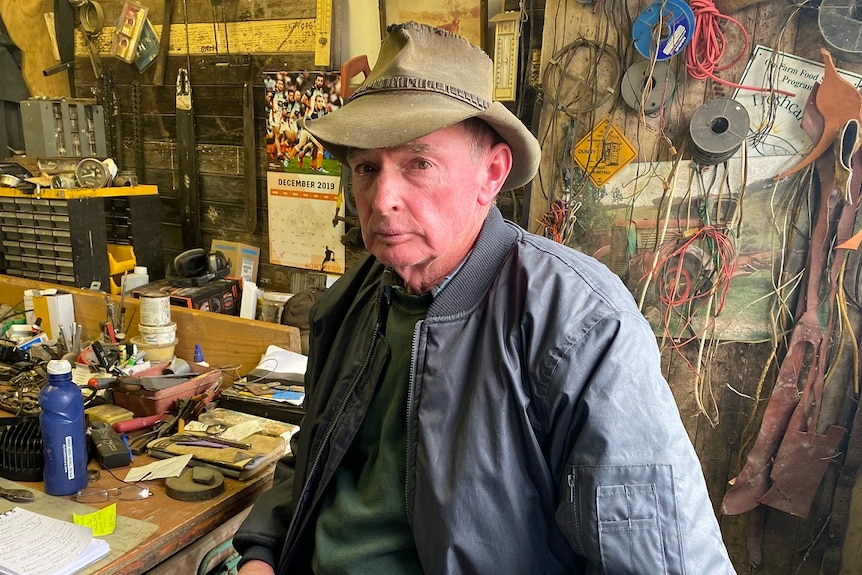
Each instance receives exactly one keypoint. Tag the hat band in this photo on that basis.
(396, 83)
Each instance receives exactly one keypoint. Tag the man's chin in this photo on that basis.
(397, 257)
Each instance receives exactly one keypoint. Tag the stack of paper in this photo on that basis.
(33, 544)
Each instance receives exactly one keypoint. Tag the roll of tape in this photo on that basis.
(656, 89)
(663, 29)
(718, 128)
(840, 27)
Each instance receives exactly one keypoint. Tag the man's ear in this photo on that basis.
(497, 164)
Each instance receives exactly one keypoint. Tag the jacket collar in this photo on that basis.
(468, 285)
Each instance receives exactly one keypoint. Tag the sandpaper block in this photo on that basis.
(195, 484)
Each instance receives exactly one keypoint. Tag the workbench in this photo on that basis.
(225, 340)
(169, 536)
(165, 535)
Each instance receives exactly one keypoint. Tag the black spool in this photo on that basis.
(840, 23)
(718, 128)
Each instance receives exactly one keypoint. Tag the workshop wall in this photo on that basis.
(721, 385)
(230, 44)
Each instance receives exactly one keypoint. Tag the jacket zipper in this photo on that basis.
(575, 510)
(331, 428)
(411, 380)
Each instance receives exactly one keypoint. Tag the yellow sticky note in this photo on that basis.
(102, 522)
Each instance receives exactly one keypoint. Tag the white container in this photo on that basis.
(155, 309)
(136, 279)
(272, 306)
(155, 352)
(159, 334)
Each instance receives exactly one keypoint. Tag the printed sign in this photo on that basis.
(785, 136)
(603, 152)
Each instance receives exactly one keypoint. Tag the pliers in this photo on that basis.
(17, 495)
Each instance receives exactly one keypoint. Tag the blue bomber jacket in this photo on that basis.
(542, 437)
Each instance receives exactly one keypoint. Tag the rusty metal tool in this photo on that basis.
(250, 158)
(164, 44)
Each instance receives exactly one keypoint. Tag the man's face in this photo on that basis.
(421, 205)
(318, 82)
(279, 85)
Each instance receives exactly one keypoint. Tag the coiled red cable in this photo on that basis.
(707, 46)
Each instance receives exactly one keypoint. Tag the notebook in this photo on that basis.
(33, 544)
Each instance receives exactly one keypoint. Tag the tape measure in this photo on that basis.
(663, 29)
(323, 33)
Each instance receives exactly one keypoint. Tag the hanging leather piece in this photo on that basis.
(797, 467)
(837, 103)
(805, 454)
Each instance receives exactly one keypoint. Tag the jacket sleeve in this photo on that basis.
(263, 532)
(632, 496)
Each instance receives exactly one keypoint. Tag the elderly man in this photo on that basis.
(479, 399)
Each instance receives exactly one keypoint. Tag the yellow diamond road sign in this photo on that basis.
(603, 152)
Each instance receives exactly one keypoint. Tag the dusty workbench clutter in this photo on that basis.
(154, 432)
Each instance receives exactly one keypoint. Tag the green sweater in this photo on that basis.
(362, 526)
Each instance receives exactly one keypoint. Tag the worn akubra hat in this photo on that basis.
(425, 79)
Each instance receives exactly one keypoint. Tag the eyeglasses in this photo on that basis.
(125, 493)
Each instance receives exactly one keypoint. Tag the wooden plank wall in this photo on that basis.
(790, 545)
(278, 32)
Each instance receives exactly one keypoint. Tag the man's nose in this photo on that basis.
(390, 189)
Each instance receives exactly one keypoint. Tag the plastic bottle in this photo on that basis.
(63, 431)
(136, 279)
(199, 356)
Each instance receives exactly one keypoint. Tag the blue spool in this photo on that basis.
(663, 32)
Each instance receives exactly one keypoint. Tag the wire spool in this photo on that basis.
(659, 86)
(840, 25)
(718, 128)
(663, 29)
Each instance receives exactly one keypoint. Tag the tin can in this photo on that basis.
(155, 309)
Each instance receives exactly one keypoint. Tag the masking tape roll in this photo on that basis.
(718, 129)
(650, 92)
(663, 29)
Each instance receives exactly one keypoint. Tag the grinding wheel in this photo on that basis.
(184, 488)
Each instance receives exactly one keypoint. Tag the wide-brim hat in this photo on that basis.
(425, 79)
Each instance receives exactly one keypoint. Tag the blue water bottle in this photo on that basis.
(63, 431)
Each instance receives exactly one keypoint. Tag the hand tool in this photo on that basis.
(250, 158)
(187, 152)
(164, 44)
(139, 423)
(17, 495)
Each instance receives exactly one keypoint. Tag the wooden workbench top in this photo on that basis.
(161, 526)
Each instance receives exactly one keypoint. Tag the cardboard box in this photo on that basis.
(244, 259)
(218, 295)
